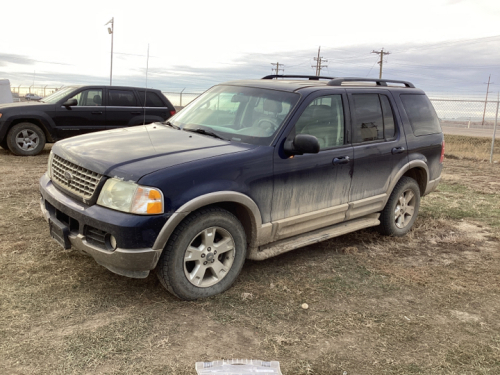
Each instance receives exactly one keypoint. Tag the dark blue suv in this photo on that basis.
(250, 169)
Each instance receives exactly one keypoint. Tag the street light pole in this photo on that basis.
(111, 31)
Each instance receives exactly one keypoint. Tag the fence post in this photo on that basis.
(494, 130)
(180, 104)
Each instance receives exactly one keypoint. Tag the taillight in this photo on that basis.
(442, 152)
(172, 112)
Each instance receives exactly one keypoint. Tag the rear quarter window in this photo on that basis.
(421, 113)
(150, 99)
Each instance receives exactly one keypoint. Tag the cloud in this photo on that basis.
(459, 67)
(7, 58)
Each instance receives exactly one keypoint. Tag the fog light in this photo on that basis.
(111, 241)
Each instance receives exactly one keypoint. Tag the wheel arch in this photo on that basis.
(421, 175)
(35, 121)
(416, 169)
(241, 205)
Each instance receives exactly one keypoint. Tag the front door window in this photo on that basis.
(89, 98)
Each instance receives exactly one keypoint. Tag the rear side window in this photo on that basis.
(152, 99)
(421, 113)
(373, 118)
(122, 98)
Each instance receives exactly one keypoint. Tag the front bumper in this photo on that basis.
(134, 234)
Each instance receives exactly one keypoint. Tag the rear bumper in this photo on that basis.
(134, 234)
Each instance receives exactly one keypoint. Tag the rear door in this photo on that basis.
(123, 108)
(89, 115)
(154, 106)
(379, 147)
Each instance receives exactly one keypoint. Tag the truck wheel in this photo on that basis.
(25, 139)
(401, 209)
(204, 254)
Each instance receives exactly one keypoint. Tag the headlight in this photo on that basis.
(130, 197)
(49, 165)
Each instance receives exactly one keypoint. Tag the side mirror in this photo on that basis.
(70, 102)
(302, 144)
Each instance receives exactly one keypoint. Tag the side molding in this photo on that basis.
(205, 200)
(323, 234)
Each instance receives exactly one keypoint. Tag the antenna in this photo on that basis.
(146, 91)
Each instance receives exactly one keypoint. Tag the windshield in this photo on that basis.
(58, 95)
(241, 114)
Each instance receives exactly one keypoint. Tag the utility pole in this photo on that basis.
(486, 100)
(277, 67)
(381, 62)
(319, 60)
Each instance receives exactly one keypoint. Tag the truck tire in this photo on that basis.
(26, 139)
(204, 254)
(401, 210)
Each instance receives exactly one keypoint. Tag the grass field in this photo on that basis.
(426, 303)
(476, 148)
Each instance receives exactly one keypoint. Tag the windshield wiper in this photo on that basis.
(205, 132)
(168, 123)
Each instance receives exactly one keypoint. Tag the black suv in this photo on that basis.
(250, 169)
(75, 110)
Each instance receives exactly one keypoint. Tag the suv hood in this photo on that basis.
(131, 153)
(22, 104)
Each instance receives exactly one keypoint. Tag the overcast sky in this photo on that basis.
(443, 46)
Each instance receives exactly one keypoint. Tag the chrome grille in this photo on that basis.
(73, 178)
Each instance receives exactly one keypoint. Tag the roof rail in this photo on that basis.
(379, 82)
(311, 78)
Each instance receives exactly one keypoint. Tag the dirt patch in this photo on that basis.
(426, 303)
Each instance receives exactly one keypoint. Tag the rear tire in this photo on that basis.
(401, 210)
(26, 139)
(204, 254)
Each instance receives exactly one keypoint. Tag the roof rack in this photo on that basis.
(379, 82)
(311, 78)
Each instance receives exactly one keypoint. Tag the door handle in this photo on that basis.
(398, 150)
(135, 113)
(97, 112)
(341, 160)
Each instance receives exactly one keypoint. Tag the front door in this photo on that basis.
(312, 190)
(89, 115)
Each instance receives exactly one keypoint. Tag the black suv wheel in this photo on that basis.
(25, 139)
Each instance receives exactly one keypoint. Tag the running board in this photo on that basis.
(295, 242)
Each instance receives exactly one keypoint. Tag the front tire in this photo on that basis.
(204, 254)
(26, 139)
(401, 210)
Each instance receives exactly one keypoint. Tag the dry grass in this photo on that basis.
(426, 303)
(474, 148)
